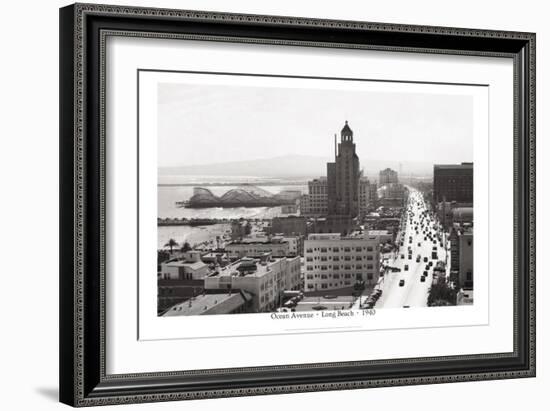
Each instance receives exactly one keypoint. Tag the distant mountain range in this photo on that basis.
(293, 166)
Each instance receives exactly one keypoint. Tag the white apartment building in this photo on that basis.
(264, 280)
(332, 261)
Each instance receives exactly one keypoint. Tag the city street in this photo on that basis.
(405, 288)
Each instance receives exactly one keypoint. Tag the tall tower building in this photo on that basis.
(343, 177)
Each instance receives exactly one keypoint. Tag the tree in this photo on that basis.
(441, 294)
(162, 256)
(186, 247)
(440, 303)
(171, 243)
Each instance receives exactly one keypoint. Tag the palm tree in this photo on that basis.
(185, 247)
(171, 243)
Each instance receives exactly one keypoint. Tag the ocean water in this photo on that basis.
(180, 188)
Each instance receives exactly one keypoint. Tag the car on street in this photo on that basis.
(401, 283)
(423, 279)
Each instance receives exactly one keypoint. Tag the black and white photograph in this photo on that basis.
(313, 195)
(258, 204)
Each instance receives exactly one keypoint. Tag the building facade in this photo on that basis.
(315, 201)
(265, 280)
(295, 245)
(454, 182)
(388, 176)
(392, 195)
(333, 261)
(188, 267)
(462, 255)
(291, 225)
(466, 260)
(368, 195)
(343, 177)
(252, 247)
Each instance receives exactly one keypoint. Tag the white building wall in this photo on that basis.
(332, 263)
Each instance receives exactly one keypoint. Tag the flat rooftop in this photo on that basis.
(248, 267)
(451, 166)
(208, 304)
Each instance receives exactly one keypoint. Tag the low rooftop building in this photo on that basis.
(209, 304)
(265, 279)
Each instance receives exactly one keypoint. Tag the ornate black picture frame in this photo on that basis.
(83, 29)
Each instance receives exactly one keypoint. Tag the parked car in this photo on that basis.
(423, 279)
(401, 283)
(406, 267)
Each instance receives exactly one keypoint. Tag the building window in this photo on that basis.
(369, 266)
(369, 249)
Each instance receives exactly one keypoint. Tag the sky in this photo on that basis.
(203, 124)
